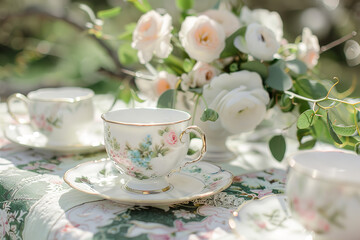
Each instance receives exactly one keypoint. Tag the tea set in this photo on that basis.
(148, 164)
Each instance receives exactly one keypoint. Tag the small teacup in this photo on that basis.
(147, 144)
(323, 190)
(58, 113)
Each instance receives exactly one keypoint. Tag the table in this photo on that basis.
(35, 202)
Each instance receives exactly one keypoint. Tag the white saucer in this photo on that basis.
(194, 181)
(23, 134)
(267, 218)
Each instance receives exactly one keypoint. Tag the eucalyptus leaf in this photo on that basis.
(296, 66)
(331, 130)
(357, 148)
(277, 147)
(255, 66)
(306, 134)
(209, 115)
(310, 88)
(278, 79)
(167, 99)
(109, 13)
(184, 5)
(308, 144)
(344, 130)
(306, 119)
(286, 104)
(230, 49)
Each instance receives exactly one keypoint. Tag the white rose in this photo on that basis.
(308, 48)
(260, 42)
(202, 73)
(225, 18)
(152, 35)
(240, 100)
(202, 38)
(271, 20)
(153, 89)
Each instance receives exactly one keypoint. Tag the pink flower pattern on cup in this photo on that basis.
(171, 138)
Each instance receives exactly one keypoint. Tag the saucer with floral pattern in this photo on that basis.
(193, 181)
(90, 140)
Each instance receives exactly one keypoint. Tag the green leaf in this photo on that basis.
(310, 89)
(127, 55)
(286, 103)
(142, 5)
(109, 13)
(333, 134)
(344, 130)
(357, 148)
(124, 94)
(209, 115)
(278, 79)
(255, 66)
(188, 65)
(277, 146)
(306, 119)
(296, 66)
(135, 96)
(127, 34)
(184, 5)
(230, 49)
(167, 99)
(191, 152)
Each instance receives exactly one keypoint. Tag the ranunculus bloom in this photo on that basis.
(152, 35)
(260, 42)
(202, 38)
(225, 18)
(264, 17)
(239, 98)
(308, 48)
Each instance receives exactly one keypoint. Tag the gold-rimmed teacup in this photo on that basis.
(58, 113)
(147, 144)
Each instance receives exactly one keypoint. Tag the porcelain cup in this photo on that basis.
(148, 144)
(58, 113)
(323, 190)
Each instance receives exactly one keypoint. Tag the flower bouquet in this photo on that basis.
(231, 65)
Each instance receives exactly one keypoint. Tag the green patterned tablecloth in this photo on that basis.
(35, 202)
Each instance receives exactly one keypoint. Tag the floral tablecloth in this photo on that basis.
(35, 202)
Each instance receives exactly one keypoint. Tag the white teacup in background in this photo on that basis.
(323, 190)
(58, 113)
(147, 144)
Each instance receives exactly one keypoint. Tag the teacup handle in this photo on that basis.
(22, 98)
(201, 134)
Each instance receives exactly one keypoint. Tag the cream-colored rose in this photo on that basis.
(308, 48)
(225, 18)
(239, 98)
(259, 41)
(202, 73)
(264, 17)
(202, 38)
(152, 35)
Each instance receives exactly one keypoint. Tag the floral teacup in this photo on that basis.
(58, 113)
(323, 190)
(147, 144)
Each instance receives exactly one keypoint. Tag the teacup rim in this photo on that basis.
(68, 100)
(309, 172)
(147, 124)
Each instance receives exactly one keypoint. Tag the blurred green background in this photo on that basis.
(45, 42)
